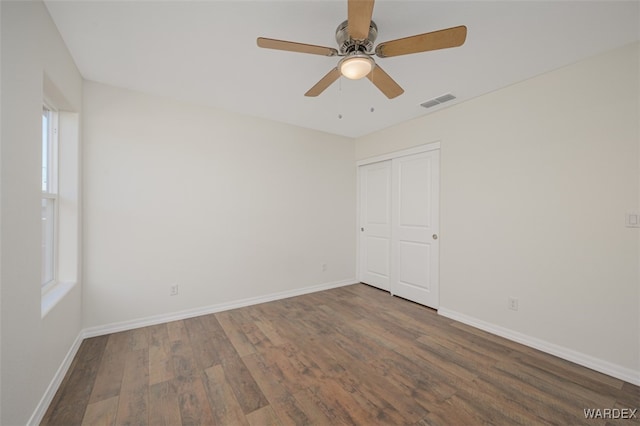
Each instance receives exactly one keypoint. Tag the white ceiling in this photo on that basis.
(205, 52)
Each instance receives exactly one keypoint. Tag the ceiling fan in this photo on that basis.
(355, 38)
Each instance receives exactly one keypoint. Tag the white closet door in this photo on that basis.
(415, 226)
(375, 224)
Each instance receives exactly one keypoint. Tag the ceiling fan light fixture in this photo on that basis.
(356, 66)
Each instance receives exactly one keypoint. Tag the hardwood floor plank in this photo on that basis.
(66, 414)
(133, 407)
(314, 359)
(340, 404)
(254, 335)
(448, 345)
(484, 338)
(268, 330)
(377, 403)
(464, 363)
(479, 405)
(560, 388)
(417, 379)
(454, 411)
(458, 411)
(629, 396)
(244, 386)
(177, 331)
(249, 395)
(316, 411)
(383, 394)
(235, 334)
(268, 379)
(285, 370)
(514, 405)
(203, 342)
(138, 338)
(101, 413)
(550, 407)
(457, 336)
(580, 375)
(193, 401)
(380, 335)
(263, 417)
(161, 366)
(290, 412)
(184, 363)
(70, 401)
(439, 360)
(164, 406)
(224, 405)
(109, 377)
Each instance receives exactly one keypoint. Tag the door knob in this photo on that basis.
(435, 236)
(361, 229)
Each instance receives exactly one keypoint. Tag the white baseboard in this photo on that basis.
(46, 399)
(205, 310)
(606, 367)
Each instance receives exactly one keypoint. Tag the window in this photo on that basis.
(49, 194)
(60, 199)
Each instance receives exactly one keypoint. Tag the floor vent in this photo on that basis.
(437, 101)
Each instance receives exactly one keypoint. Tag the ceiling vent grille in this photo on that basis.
(437, 101)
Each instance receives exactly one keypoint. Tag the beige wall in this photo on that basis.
(33, 348)
(536, 181)
(229, 207)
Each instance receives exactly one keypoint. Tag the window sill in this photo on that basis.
(53, 295)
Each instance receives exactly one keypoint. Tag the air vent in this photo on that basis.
(430, 103)
(437, 101)
(445, 98)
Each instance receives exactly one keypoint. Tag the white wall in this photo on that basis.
(227, 206)
(536, 180)
(33, 348)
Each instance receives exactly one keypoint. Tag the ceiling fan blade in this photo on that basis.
(359, 15)
(385, 83)
(324, 82)
(291, 46)
(443, 39)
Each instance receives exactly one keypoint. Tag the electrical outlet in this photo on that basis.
(632, 220)
(173, 290)
(324, 267)
(513, 303)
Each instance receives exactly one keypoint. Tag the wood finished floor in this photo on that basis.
(351, 355)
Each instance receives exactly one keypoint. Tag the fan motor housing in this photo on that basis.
(348, 45)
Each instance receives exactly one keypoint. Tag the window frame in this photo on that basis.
(50, 194)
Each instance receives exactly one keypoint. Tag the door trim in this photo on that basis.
(431, 146)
